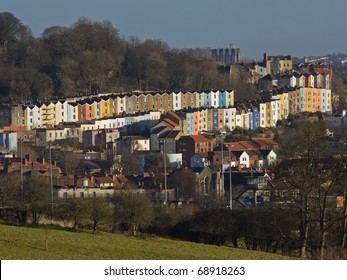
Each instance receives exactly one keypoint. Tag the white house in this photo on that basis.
(214, 97)
(300, 80)
(32, 116)
(72, 112)
(250, 158)
(230, 118)
(261, 70)
(275, 110)
(270, 156)
(176, 100)
(175, 160)
(61, 114)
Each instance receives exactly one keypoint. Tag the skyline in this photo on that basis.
(297, 28)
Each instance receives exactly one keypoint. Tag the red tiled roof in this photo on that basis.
(12, 128)
(79, 182)
(122, 178)
(234, 146)
(253, 155)
(200, 138)
(103, 180)
(249, 145)
(265, 142)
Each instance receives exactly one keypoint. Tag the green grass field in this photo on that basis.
(23, 243)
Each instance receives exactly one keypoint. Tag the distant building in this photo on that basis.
(227, 55)
(280, 64)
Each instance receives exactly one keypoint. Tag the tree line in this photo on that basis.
(89, 57)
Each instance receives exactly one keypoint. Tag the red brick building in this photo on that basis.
(190, 145)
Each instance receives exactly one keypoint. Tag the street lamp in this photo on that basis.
(21, 167)
(222, 150)
(230, 184)
(163, 141)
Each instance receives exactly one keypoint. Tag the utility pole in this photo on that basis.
(222, 161)
(165, 179)
(51, 175)
(21, 167)
(230, 184)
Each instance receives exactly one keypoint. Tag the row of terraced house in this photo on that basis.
(49, 113)
(262, 112)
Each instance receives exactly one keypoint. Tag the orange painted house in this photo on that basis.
(85, 110)
(196, 123)
(317, 99)
(220, 118)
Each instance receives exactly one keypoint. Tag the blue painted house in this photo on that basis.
(255, 120)
(302, 99)
(222, 98)
(9, 141)
(189, 123)
(323, 99)
(215, 118)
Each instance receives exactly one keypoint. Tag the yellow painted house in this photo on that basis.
(265, 114)
(48, 114)
(113, 105)
(230, 98)
(310, 100)
(283, 105)
(105, 107)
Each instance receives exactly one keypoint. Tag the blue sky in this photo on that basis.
(296, 27)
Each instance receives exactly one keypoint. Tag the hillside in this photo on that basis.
(29, 243)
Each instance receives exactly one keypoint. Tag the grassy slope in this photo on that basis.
(29, 243)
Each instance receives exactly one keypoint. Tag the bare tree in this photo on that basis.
(9, 190)
(99, 212)
(183, 181)
(133, 209)
(128, 160)
(71, 162)
(301, 146)
(37, 197)
(73, 209)
(317, 176)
